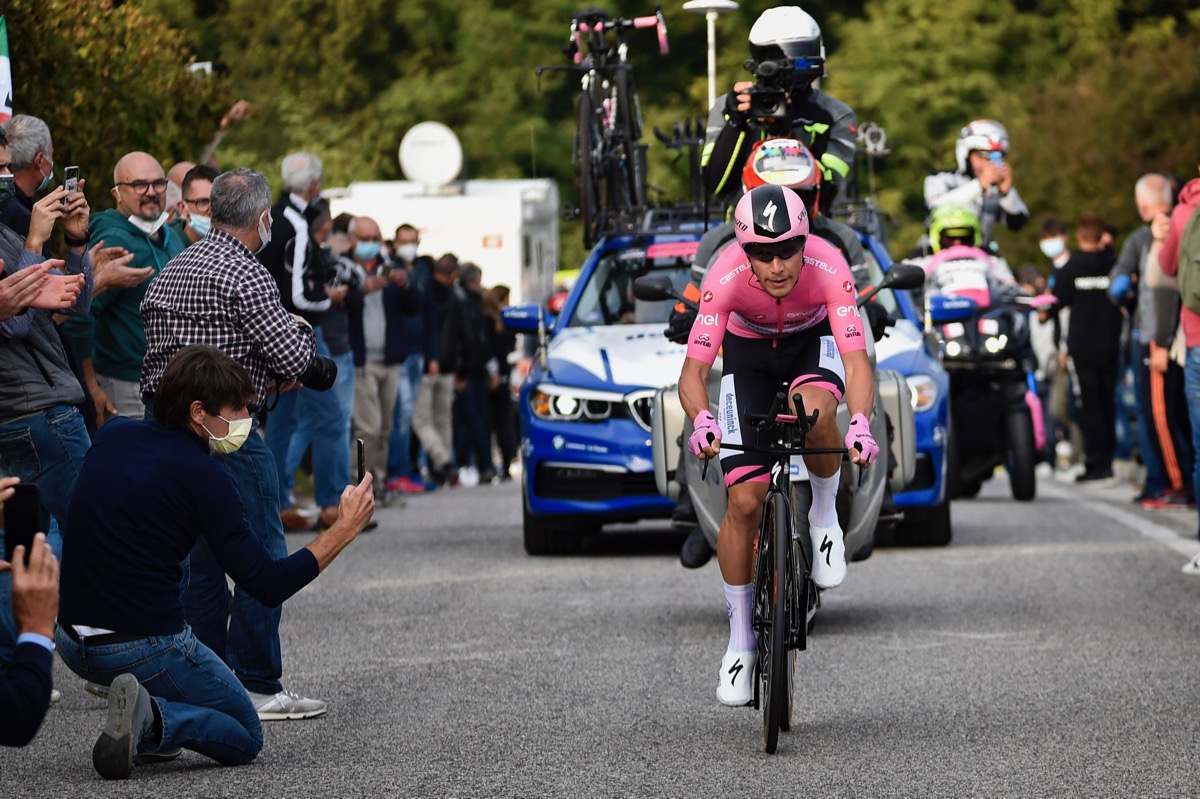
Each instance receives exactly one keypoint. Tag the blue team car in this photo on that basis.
(585, 406)
(906, 349)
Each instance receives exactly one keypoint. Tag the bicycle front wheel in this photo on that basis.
(777, 672)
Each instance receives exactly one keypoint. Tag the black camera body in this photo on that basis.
(768, 95)
(321, 374)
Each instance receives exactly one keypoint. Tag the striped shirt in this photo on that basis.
(217, 293)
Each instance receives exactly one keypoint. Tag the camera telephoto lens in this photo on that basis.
(320, 374)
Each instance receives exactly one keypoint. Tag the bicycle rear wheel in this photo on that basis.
(593, 189)
(777, 682)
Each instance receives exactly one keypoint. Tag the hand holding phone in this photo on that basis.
(362, 447)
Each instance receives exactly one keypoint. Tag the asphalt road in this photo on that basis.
(1051, 650)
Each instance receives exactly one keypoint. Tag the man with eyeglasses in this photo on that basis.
(31, 151)
(111, 340)
(192, 220)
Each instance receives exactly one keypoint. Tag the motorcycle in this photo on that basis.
(983, 331)
(860, 492)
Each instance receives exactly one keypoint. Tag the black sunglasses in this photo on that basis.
(766, 252)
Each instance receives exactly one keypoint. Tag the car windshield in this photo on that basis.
(608, 299)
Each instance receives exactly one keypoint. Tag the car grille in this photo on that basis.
(640, 405)
(580, 483)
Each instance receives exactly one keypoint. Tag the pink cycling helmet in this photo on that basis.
(769, 214)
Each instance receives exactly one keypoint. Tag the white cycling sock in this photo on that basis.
(823, 512)
(738, 601)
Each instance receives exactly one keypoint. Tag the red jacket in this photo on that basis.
(1168, 253)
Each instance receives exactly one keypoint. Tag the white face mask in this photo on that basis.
(239, 431)
(146, 226)
(407, 251)
(1052, 248)
(264, 231)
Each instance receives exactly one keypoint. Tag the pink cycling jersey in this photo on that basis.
(732, 298)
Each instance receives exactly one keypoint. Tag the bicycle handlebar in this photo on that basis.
(601, 26)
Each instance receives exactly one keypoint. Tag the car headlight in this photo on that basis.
(924, 391)
(566, 404)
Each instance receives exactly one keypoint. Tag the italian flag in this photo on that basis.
(5, 73)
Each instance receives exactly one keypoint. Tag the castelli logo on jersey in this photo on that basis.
(734, 273)
(848, 287)
(706, 297)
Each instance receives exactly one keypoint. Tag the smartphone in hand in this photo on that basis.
(362, 447)
(23, 518)
(70, 183)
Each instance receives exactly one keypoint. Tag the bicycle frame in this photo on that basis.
(783, 589)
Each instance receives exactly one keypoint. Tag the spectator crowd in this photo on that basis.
(172, 364)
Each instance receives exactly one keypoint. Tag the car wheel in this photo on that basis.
(549, 536)
(925, 528)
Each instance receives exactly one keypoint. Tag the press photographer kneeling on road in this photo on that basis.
(147, 492)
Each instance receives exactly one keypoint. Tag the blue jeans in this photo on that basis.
(1156, 473)
(281, 428)
(250, 644)
(1191, 383)
(398, 445)
(47, 449)
(324, 421)
(202, 705)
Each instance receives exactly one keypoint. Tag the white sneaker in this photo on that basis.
(286, 705)
(1192, 567)
(735, 680)
(829, 556)
(468, 477)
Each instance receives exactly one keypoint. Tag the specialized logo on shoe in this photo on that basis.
(735, 670)
(827, 548)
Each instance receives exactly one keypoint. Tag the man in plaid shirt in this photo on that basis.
(217, 293)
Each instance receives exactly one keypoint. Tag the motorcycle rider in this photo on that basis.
(783, 162)
(983, 182)
(782, 304)
(958, 264)
(789, 36)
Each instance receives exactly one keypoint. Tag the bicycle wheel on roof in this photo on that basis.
(593, 182)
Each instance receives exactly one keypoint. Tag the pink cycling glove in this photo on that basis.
(706, 426)
(859, 437)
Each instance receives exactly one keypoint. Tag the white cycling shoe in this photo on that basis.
(829, 556)
(735, 681)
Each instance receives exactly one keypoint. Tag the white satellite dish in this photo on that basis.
(430, 154)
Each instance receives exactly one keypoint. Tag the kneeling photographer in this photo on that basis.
(216, 292)
(148, 491)
(787, 59)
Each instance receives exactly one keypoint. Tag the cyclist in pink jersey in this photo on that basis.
(783, 308)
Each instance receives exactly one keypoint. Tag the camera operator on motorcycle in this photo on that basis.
(782, 304)
(959, 265)
(787, 57)
(983, 183)
(783, 162)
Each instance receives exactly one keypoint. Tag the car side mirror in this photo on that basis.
(523, 318)
(655, 288)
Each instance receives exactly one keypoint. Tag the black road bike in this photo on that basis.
(609, 156)
(785, 597)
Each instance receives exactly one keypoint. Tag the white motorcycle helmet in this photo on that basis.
(790, 32)
(986, 135)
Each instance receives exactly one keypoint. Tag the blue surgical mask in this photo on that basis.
(200, 225)
(46, 180)
(1052, 248)
(366, 250)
